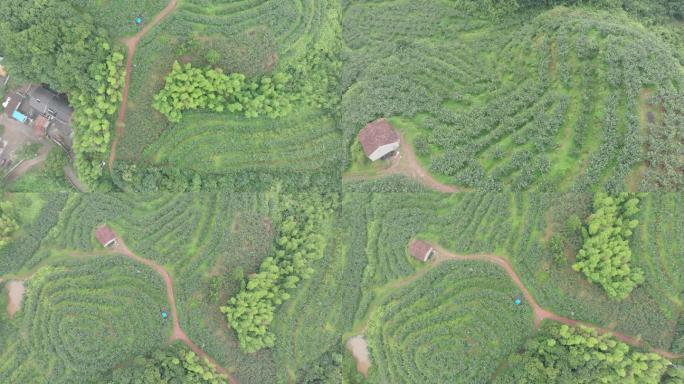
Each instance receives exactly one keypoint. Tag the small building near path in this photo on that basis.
(378, 139)
(421, 250)
(105, 236)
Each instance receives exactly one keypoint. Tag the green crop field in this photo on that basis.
(460, 316)
(81, 317)
(253, 38)
(366, 282)
(558, 100)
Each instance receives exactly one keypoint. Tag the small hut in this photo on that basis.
(421, 250)
(378, 139)
(105, 236)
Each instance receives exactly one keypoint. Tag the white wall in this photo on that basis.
(383, 150)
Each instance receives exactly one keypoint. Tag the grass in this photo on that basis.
(35, 181)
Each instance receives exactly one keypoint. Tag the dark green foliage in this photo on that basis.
(52, 42)
(173, 364)
(605, 257)
(562, 354)
(299, 242)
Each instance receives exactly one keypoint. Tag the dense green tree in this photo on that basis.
(175, 364)
(298, 243)
(563, 354)
(605, 257)
(52, 42)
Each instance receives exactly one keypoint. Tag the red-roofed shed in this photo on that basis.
(40, 126)
(105, 236)
(378, 139)
(421, 250)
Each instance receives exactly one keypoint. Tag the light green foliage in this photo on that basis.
(93, 112)
(561, 354)
(189, 88)
(8, 222)
(605, 257)
(251, 312)
(175, 364)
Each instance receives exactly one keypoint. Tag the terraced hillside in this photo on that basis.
(82, 317)
(226, 150)
(572, 100)
(460, 316)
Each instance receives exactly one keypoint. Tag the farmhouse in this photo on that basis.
(378, 139)
(40, 100)
(44, 110)
(421, 250)
(105, 236)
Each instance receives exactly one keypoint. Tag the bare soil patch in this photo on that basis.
(16, 295)
(359, 349)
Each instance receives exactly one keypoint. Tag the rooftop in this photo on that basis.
(376, 134)
(105, 236)
(420, 249)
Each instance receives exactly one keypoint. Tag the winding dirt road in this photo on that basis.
(541, 314)
(178, 333)
(131, 45)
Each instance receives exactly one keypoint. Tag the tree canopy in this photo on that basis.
(53, 42)
(605, 257)
(563, 354)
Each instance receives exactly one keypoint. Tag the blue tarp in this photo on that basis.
(16, 115)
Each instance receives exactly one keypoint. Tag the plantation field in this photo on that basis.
(118, 16)
(460, 316)
(303, 141)
(252, 38)
(555, 101)
(80, 318)
(366, 283)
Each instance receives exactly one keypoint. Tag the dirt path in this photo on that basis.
(541, 314)
(26, 165)
(406, 163)
(178, 333)
(131, 45)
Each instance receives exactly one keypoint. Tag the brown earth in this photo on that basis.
(131, 45)
(16, 291)
(178, 333)
(359, 349)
